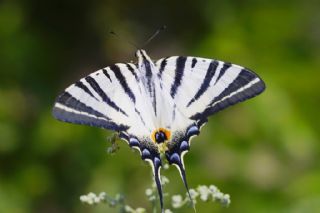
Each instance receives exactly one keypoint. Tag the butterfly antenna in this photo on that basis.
(121, 38)
(154, 35)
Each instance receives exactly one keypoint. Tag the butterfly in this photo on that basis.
(157, 107)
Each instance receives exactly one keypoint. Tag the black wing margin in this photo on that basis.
(68, 109)
(202, 87)
(91, 100)
(245, 86)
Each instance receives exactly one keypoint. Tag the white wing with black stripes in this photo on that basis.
(157, 107)
(200, 87)
(110, 98)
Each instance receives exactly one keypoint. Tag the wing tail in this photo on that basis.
(153, 158)
(176, 158)
(157, 180)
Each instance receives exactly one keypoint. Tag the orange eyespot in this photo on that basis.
(160, 135)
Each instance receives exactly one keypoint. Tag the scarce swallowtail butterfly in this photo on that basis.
(157, 106)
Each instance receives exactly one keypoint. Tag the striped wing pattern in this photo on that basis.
(175, 93)
(201, 87)
(109, 98)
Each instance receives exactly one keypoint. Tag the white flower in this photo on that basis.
(128, 208)
(216, 195)
(177, 198)
(149, 192)
(193, 193)
(152, 198)
(91, 195)
(164, 180)
(90, 198)
(96, 200)
(166, 166)
(225, 200)
(204, 192)
(177, 201)
(102, 195)
(168, 211)
(140, 210)
(131, 210)
(213, 189)
(83, 198)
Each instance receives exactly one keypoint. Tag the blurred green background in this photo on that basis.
(264, 152)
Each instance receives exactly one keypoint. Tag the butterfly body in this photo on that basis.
(157, 107)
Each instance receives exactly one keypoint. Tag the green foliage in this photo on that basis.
(264, 152)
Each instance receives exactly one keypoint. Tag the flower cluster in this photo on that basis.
(205, 193)
(202, 192)
(92, 198)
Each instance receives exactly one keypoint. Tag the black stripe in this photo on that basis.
(202, 121)
(154, 102)
(102, 94)
(105, 72)
(206, 81)
(138, 112)
(131, 69)
(181, 61)
(242, 80)
(84, 88)
(68, 100)
(194, 61)
(174, 112)
(122, 80)
(124, 135)
(148, 74)
(76, 118)
(162, 66)
(147, 65)
(223, 70)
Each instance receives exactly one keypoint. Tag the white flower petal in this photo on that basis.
(149, 192)
(177, 201)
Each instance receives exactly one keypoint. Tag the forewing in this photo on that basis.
(201, 87)
(110, 98)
